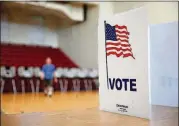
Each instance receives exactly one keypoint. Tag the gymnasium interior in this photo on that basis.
(68, 33)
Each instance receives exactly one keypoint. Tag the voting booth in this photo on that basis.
(164, 64)
(123, 63)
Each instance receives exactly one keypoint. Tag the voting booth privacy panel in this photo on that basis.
(123, 63)
(164, 64)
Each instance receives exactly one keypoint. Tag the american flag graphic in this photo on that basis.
(117, 41)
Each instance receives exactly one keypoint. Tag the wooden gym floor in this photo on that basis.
(29, 102)
(73, 109)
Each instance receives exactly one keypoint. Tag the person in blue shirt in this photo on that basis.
(47, 75)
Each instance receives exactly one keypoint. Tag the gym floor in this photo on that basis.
(73, 109)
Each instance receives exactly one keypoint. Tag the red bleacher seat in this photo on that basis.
(23, 55)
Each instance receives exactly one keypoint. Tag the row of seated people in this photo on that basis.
(27, 79)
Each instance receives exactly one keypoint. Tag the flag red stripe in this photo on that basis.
(128, 54)
(123, 36)
(122, 40)
(115, 53)
(117, 49)
(121, 27)
(117, 44)
(120, 54)
(122, 32)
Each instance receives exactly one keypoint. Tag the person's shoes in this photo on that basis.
(50, 92)
(45, 92)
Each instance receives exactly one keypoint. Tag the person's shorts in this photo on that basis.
(47, 82)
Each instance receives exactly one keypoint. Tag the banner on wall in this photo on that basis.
(126, 89)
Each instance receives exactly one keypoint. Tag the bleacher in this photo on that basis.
(23, 55)
(20, 65)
